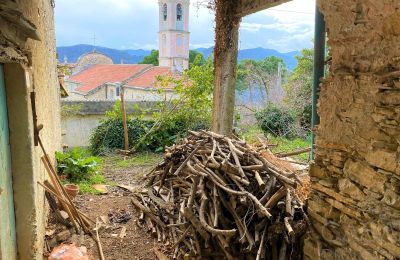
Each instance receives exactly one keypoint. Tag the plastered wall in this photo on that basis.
(34, 68)
(355, 204)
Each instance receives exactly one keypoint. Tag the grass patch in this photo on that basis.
(250, 134)
(142, 159)
(284, 144)
(289, 145)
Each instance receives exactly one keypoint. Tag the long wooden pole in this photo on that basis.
(126, 137)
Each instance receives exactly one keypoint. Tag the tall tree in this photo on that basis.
(151, 59)
(228, 16)
(265, 73)
(299, 87)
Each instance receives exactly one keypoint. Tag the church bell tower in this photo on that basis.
(174, 34)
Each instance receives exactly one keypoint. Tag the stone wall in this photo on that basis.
(80, 118)
(355, 204)
(27, 49)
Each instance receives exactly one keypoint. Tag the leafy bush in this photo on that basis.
(77, 165)
(109, 135)
(190, 108)
(277, 120)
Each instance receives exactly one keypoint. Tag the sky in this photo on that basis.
(133, 24)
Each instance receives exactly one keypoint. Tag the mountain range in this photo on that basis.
(71, 54)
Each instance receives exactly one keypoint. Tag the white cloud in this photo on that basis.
(134, 24)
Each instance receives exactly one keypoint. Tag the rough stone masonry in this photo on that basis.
(355, 203)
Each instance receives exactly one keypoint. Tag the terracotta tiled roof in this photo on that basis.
(149, 77)
(98, 75)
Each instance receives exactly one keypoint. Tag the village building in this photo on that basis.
(96, 77)
(104, 82)
(355, 199)
(90, 59)
(174, 34)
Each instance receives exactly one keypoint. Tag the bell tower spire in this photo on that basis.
(174, 34)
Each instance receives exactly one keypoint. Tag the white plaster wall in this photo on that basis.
(76, 130)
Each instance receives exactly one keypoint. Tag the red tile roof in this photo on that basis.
(98, 75)
(149, 77)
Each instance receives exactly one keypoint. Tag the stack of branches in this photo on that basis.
(215, 196)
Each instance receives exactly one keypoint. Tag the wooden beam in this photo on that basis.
(251, 6)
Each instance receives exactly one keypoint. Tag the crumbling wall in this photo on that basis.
(27, 49)
(355, 204)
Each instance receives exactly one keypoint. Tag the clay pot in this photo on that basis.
(72, 190)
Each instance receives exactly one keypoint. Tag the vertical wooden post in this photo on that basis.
(126, 137)
(225, 62)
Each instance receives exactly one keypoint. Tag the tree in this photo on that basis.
(264, 73)
(151, 59)
(196, 58)
(299, 87)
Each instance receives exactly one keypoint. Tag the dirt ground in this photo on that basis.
(116, 208)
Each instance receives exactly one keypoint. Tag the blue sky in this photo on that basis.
(133, 24)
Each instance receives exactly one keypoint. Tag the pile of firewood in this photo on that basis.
(217, 197)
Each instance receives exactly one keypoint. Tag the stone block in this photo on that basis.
(364, 175)
(381, 158)
(349, 188)
(392, 199)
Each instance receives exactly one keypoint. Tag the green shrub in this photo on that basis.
(77, 165)
(109, 135)
(276, 120)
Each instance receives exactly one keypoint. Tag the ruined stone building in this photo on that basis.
(354, 207)
(27, 64)
(355, 203)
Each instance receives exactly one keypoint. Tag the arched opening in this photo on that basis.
(165, 12)
(179, 12)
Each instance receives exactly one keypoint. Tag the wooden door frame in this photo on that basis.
(23, 165)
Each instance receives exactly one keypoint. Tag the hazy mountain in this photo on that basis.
(259, 54)
(72, 53)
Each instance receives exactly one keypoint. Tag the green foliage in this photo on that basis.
(193, 107)
(190, 108)
(116, 112)
(70, 110)
(276, 120)
(77, 165)
(140, 160)
(299, 87)
(196, 58)
(151, 59)
(263, 73)
(109, 135)
(86, 186)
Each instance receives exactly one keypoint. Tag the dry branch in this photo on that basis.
(217, 194)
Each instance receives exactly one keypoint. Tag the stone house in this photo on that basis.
(104, 82)
(27, 64)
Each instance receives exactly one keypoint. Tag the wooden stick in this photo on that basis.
(283, 155)
(124, 123)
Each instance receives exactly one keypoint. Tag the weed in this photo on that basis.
(79, 167)
(142, 159)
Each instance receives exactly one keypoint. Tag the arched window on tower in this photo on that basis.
(165, 12)
(179, 16)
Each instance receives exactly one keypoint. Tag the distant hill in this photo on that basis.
(259, 54)
(72, 53)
